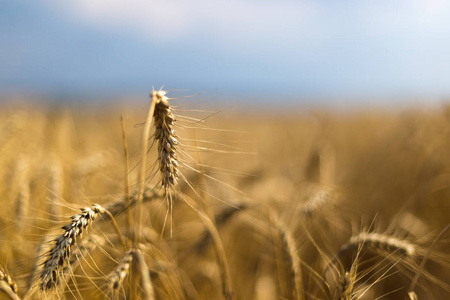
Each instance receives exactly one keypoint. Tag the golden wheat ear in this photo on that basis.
(59, 254)
(164, 121)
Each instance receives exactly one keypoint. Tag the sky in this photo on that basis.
(229, 48)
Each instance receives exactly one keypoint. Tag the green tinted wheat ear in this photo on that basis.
(59, 254)
(167, 139)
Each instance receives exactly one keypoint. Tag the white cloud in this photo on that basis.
(171, 19)
(406, 17)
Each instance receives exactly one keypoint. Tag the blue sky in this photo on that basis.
(232, 48)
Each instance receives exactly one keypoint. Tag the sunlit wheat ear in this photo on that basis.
(59, 254)
(166, 138)
(7, 285)
(379, 241)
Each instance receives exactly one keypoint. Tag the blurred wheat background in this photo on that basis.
(314, 205)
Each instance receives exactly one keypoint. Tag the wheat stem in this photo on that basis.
(126, 176)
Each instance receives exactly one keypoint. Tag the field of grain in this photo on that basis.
(244, 205)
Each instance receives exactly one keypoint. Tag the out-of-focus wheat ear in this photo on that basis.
(143, 274)
(321, 165)
(7, 285)
(55, 187)
(22, 191)
(120, 272)
(320, 197)
(379, 241)
(60, 253)
(290, 253)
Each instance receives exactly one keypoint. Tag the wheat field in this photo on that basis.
(166, 200)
